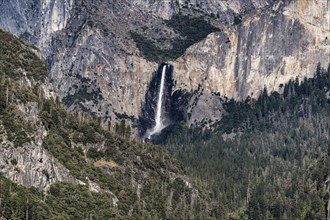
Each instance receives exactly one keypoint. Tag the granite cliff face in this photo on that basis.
(31, 164)
(222, 10)
(266, 50)
(35, 21)
(96, 66)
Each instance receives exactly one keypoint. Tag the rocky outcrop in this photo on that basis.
(31, 164)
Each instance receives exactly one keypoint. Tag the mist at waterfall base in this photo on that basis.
(159, 120)
(163, 108)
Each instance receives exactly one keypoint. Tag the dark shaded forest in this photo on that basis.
(267, 158)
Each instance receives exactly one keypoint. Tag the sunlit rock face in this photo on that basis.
(96, 67)
(265, 50)
(35, 21)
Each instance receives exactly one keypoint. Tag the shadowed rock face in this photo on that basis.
(96, 67)
(148, 113)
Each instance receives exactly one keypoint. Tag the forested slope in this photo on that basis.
(267, 158)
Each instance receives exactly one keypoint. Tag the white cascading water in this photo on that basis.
(158, 119)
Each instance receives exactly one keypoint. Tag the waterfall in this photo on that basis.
(159, 124)
(158, 117)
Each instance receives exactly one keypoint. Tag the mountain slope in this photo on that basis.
(103, 55)
(74, 163)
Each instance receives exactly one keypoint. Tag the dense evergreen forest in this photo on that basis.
(267, 158)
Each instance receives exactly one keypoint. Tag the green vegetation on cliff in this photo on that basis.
(191, 30)
(19, 60)
(19, 66)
